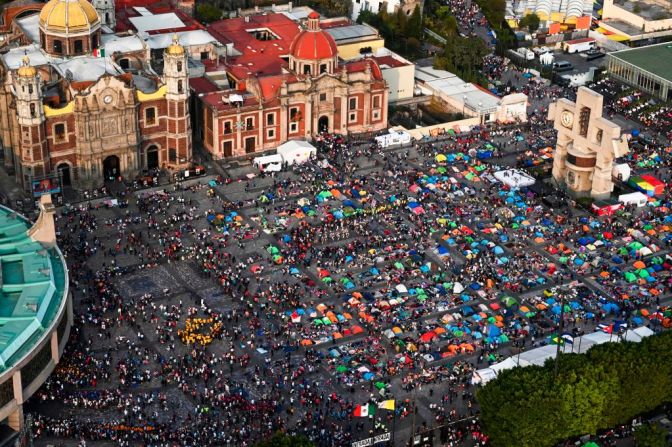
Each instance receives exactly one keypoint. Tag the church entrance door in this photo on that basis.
(111, 168)
(323, 124)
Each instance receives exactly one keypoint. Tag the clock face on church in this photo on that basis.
(567, 119)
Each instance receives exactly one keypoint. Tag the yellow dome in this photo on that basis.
(26, 70)
(68, 16)
(175, 48)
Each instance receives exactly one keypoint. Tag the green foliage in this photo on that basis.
(283, 440)
(208, 13)
(530, 21)
(650, 435)
(402, 34)
(463, 56)
(494, 11)
(609, 385)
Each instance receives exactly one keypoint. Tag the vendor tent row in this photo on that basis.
(539, 356)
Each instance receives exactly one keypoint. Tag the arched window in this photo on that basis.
(179, 86)
(58, 47)
(79, 46)
(32, 110)
(306, 69)
(107, 18)
(30, 89)
(179, 67)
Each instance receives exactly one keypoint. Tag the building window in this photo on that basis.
(293, 127)
(58, 47)
(94, 41)
(172, 155)
(59, 132)
(32, 110)
(150, 116)
(249, 123)
(323, 97)
(306, 69)
(124, 64)
(323, 68)
(79, 46)
(204, 55)
(353, 103)
(179, 86)
(227, 127)
(376, 102)
(179, 67)
(353, 117)
(294, 114)
(270, 119)
(271, 134)
(30, 89)
(376, 114)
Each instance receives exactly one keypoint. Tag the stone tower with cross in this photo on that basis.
(587, 145)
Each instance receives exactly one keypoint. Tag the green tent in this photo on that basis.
(398, 266)
(643, 273)
(326, 321)
(380, 385)
(509, 301)
(341, 368)
(630, 277)
(635, 245)
(273, 250)
(590, 444)
(503, 338)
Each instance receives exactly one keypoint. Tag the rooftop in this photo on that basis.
(344, 34)
(656, 59)
(33, 283)
(262, 39)
(646, 9)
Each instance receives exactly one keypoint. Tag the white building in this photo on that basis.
(374, 6)
(398, 72)
(550, 9)
(470, 99)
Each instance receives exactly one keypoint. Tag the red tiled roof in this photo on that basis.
(259, 57)
(202, 85)
(389, 61)
(360, 65)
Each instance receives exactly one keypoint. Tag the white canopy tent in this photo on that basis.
(514, 178)
(395, 137)
(296, 151)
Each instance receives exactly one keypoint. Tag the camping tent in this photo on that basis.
(296, 152)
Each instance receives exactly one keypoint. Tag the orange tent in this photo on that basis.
(639, 265)
(306, 342)
(644, 312)
(604, 274)
(337, 335)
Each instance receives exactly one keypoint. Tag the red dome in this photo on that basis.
(313, 43)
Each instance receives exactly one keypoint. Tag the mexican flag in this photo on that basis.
(99, 52)
(363, 411)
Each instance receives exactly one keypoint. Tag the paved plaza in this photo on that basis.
(216, 312)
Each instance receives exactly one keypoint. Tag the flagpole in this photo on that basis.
(394, 423)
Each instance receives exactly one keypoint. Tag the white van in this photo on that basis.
(527, 54)
(269, 163)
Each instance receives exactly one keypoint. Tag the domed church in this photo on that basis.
(288, 83)
(69, 111)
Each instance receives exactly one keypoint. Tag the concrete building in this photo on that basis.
(35, 310)
(551, 10)
(647, 68)
(470, 99)
(399, 74)
(636, 20)
(587, 145)
(390, 6)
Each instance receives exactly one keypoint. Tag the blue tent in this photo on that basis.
(498, 250)
(494, 331)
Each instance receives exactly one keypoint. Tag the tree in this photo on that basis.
(650, 435)
(530, 21)
(414, 28)
(463, 56)
(284, 440)
(592, 391)
(208, 13)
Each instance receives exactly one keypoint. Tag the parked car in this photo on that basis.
(562, 66)
(541, 50)
(594, 54)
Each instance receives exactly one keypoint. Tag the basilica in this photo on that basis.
(72, 112)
